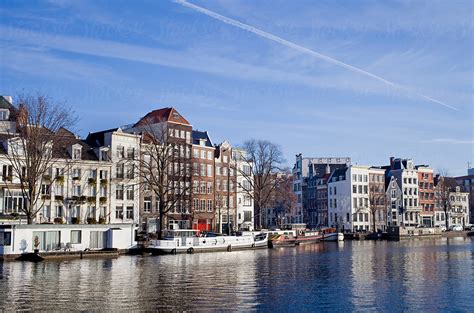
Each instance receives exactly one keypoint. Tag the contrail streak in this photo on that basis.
(305, 50)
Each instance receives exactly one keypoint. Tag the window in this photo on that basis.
(196, 204)
(4, 114)
(76, 191)
(218, 170)
(76, 153)
(366, 191)
(209, 205)
(355, 202)
(209, 170)
(209, 155)
(130, 212)
(119, 192)
(131, 172)
(130, 193)
(203, 169)
(45, 189)
(147, 204)
(120, 152)
(225, 158)
(247, 200)
(130, 153)
(76, 172)
(354, 218)
(196, 153)
(203, 154)
(209, 188)
(76, 236)
(119, 171)
(203, 205)
(14, 201)
(354, 177)
(354, 189)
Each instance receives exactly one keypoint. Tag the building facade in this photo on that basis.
(426, 195)
(203, 181)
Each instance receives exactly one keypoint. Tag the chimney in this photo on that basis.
(391, 161)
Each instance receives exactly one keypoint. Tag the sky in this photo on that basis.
(365, 79)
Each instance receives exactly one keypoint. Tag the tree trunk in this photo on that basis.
(160, 229)
(29, 218)
(446, 222)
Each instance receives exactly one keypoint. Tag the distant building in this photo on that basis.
(426, 195)
(377, 198)
(468, 183)
(203, 181)
(245, 203)
(394, 201)
(318, 167)
(406, 176)
(457, 203)
(226, 185)
(348, 199)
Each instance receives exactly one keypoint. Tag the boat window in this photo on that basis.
(6, 239)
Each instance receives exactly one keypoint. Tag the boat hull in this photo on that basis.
(333, 237)
(212, 244)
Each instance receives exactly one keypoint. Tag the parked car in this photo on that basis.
(442, 228)
(455, 228)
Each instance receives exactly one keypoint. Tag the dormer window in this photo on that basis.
(4, 115)
(104, 154)
(76, 153)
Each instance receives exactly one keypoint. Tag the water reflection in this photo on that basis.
(414, 275)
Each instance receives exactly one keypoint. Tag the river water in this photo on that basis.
(427, 275)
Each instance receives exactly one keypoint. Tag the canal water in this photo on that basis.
(428, 275)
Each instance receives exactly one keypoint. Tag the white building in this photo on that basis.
(407, 178)
(124, 189)
(19, 239)
(245, 206)
(458, 209)
(348, 199)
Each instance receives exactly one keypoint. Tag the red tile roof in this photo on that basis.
(162, 115)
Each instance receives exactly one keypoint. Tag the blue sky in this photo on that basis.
(113, 61)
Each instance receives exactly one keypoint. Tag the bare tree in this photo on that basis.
(262, 161)
(284, 199)
(31, 147)
(165, 171)
(377, 204)
(444, 186)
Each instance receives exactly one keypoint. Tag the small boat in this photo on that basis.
(281, 238)
(331, 234)
(190, 241)
(308, 236)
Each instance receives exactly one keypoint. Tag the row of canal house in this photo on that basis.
(94, 180)
(358, 198)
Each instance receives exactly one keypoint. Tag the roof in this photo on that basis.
(337, 173)
(97, 139)
(67, 139)
(5, 104)
(198, 135)
(162, 115)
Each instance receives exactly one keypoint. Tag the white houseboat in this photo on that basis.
(190, 241)
(56, 239)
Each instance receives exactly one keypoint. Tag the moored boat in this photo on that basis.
(190, 241)
(331, 234)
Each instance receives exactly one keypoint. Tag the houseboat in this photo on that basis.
(190, 241)
(331, 234)
(67, 240)
(296, 236)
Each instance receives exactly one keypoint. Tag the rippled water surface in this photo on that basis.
(416, 275)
